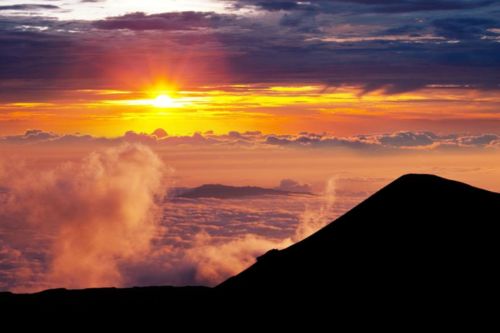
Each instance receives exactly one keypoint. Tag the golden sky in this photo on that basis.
(268, 108)
(343, 67)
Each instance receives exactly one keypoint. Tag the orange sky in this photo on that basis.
(269, 108)
(99, 68)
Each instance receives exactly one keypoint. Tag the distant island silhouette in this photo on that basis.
(420, 238)
(220, 191)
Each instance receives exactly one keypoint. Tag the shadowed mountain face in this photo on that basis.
(232, 192)
(419, 235)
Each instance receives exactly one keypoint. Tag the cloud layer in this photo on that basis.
(103, 221)
(367, 43)
(402, 141)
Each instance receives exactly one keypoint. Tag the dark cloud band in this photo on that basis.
(295, 44)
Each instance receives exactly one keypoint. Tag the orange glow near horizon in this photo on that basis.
(274, 108)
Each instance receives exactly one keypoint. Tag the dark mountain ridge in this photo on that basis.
(420, 232)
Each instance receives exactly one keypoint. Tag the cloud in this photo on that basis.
(200, 241)
(160, 133)
(377, 6)
(215, 261)
(479, 140)
(28, 7)
(320, 141)
(95, 215)
(174, 21)
(326, 42)
(224, 237)
(402, 140)
(290, 185)
(315, 218)
(30, 136)
(387, 142)
(407, 6)
(464, 28)
(16, 266)
(89, 230)
(407, 139)
(103, 210)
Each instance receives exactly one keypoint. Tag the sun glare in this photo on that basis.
(163, 101)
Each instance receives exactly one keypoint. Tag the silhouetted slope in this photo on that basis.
(419, 234)
(231, 192)
(110, 300)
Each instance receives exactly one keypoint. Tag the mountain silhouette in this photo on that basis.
(419, 235)
(232, 192)
(420, 238)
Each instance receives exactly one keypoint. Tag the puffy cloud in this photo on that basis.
(407, 139)
(95, 215)
(479, 140)
(131, 136)
(160, 133)
(30, 136)
(404, 140)
(291, 185)
(215, 261)
(319, 141)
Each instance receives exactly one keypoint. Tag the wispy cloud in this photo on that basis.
(28, 7)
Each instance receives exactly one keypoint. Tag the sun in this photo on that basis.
(163, 101)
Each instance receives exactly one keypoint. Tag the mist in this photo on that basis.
(96, 214)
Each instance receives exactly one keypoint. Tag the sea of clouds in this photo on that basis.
(105, 220)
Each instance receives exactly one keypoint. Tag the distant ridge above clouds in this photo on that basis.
(220, 191)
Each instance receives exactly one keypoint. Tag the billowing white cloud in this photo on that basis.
(93, 215)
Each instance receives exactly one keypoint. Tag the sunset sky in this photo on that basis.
(107, 105)
(345, 67)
